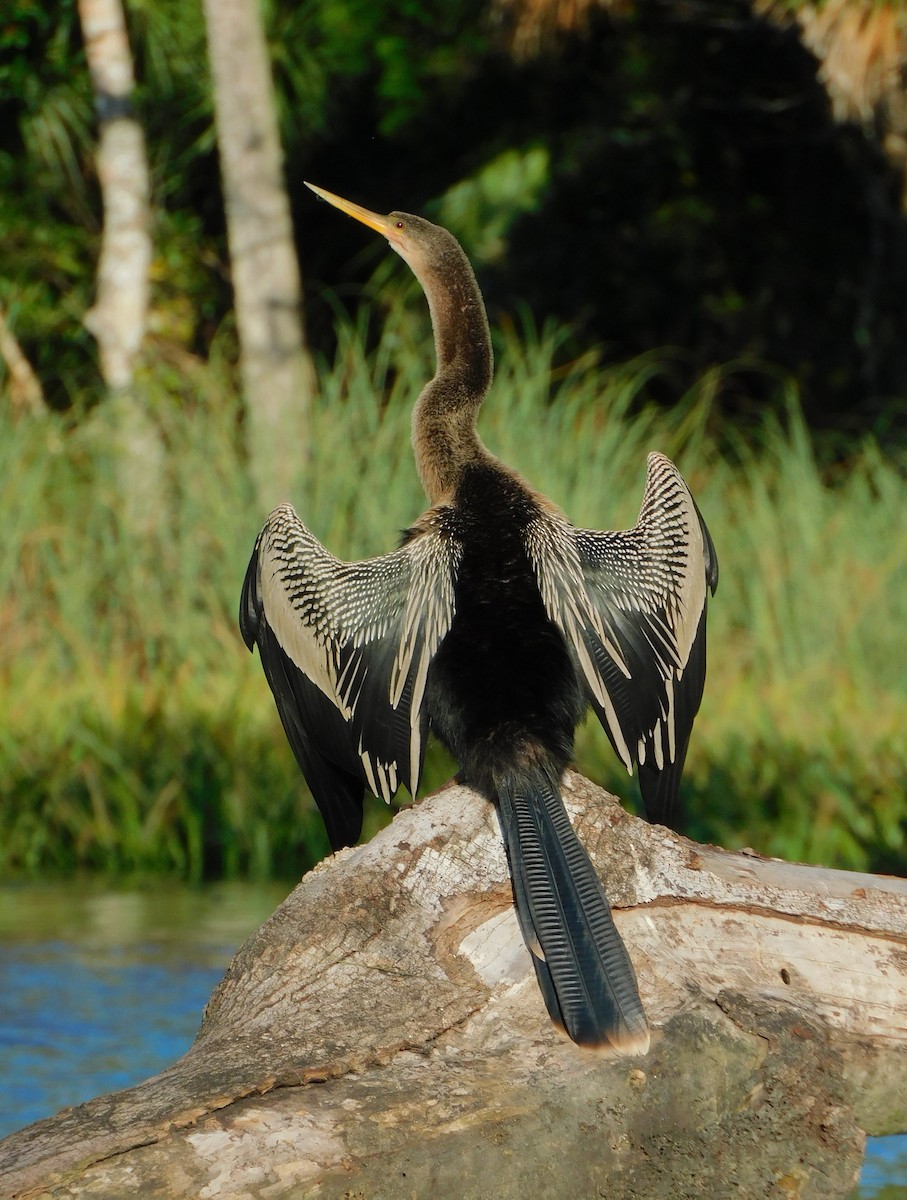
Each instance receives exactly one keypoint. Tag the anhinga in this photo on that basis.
(495, 624)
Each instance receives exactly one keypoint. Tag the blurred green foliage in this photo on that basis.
(139, 736)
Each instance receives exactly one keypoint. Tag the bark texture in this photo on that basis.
(382, 1036)
(277, 374)
(119, 315)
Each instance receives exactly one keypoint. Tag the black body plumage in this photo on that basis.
(494, 625)
(502, 675)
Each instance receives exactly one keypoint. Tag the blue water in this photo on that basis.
(100, 989)
(73, 1025)
(885, 1168)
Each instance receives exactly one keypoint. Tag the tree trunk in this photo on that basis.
(277, 374)
(119, 314)
(25, 389)
(382, 1035)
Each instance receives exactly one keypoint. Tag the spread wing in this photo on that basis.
(632, 606)
(346, 649)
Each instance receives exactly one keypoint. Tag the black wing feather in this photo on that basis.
(636, 623)
(345, 649)
(660, 789)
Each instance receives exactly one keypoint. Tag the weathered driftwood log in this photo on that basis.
(382, 1036)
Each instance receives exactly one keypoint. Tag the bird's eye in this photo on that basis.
(399, 224)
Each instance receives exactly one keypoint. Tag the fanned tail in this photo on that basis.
(583, 968)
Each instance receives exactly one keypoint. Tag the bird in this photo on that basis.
(494, 625)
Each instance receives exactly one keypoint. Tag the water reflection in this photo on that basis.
(100, 989)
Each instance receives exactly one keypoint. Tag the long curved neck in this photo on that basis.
(445, 439)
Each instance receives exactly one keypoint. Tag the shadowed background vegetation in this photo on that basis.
(682, 250)
(139, 736)
(662, 175)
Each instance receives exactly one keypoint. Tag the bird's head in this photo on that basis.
(420, 243)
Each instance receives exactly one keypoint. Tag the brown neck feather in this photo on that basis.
(445, 439)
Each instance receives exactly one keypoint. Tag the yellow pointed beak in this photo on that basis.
(373, 220)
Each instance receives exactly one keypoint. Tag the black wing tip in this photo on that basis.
(711, 567)
(343, 821)
(660, 792)
(250, 605)
(337, 792)
(711, 554)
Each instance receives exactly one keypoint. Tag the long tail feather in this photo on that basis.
(583, 968)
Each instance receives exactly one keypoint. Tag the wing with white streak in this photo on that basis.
(346, 649)
(632, 605)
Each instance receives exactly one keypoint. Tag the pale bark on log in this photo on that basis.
(382, 1035)
(277, 373)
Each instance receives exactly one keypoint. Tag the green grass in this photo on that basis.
(137, 735)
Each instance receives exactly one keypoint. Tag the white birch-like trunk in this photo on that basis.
(119, 315)
(25, 389)
(277, 374)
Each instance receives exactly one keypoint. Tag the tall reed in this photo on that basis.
(138, 736)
